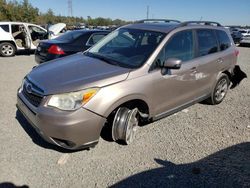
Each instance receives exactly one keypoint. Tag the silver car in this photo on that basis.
(139, 73)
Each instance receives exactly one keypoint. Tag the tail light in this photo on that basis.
(236, 52)
(54, 49)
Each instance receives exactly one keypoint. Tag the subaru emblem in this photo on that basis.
(29, 88)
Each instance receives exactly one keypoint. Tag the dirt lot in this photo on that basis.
(198, 147)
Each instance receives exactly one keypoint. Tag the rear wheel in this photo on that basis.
(125, 125)
(7, 49)
(220, 90)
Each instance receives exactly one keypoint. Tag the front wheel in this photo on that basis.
(7, 49)
(125, 125)
(220, 90)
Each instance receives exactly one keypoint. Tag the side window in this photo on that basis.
(5, 28)
(207, 42)
(224, 41)
(94, 39)
(36, 33)
(35, 29)
(180, 46)
(149, 39)
(124, 40)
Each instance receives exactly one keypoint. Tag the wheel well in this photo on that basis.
(136, 103)
(228, 74)
(11, 42)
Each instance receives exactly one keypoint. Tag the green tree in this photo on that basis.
(13, 10)
(49, 16)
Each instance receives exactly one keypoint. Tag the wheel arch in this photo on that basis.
(229, 75)
(9, 41)
(131, 102)
(226, 72)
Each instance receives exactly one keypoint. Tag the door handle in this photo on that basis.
(219, 60)
(193, 70)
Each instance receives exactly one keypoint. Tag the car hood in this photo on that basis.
(56, 28)
(75, 72)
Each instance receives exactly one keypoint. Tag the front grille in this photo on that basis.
(32, 97)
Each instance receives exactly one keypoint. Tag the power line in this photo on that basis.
(70, 8)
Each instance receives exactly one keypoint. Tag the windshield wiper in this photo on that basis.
(103, 58)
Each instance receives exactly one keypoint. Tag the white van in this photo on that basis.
(16, 36)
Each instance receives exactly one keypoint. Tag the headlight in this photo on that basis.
(21, 87)
(72, 101)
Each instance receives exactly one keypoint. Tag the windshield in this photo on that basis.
(69, 36)
(127, 47)
(243, 31)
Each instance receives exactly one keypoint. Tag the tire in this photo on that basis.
(220, 90)
(7, 49)
(125, 124)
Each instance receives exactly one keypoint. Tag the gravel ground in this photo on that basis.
(202, 146)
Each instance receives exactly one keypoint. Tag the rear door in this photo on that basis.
(227, 50)
(212, 56)
(208, 57)
(21, 36)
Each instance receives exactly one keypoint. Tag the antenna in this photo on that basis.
(70, 9)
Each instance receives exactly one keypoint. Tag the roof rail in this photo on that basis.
(201, 23)
(157, 20)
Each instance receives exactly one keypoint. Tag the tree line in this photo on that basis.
(23, 11)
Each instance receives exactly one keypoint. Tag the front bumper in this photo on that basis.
(70, 130)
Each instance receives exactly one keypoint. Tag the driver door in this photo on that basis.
(36, 35)
(175, 88)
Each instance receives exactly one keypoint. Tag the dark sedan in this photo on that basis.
(69, 43)
(237, 36)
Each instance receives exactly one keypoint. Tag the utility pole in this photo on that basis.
(147, 11)
(70, 9)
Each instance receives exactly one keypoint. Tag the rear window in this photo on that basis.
(224, 40)
(5, 28)
(95, 38)
(207, 42)
(69, 36)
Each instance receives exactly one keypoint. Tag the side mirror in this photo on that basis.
(172, 63)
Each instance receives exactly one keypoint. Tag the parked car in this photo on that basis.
(139, 73)
(245, 32)
(69, 43)
(245, 41)
(17, 36)
(56, 30)
(237, 36)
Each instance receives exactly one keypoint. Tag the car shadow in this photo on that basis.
(229, 167)
(237, 77)
(11, 185)
(25, 53)
(36, 138)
